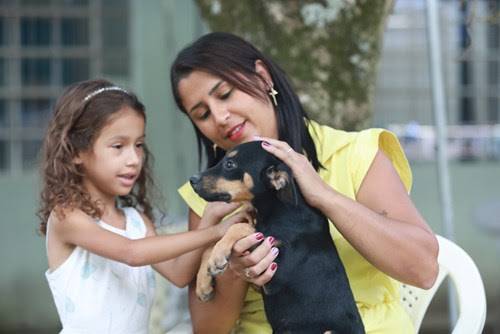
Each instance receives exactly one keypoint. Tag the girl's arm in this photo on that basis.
(182, 269)
(78, 229)
(382, 221)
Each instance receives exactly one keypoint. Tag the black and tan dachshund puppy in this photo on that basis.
(310, 292)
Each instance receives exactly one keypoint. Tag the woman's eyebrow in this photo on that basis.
(210, 92)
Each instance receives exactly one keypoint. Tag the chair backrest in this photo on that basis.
(455, 263)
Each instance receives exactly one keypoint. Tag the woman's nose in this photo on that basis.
(221, 116)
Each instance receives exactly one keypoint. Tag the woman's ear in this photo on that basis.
(263, 72)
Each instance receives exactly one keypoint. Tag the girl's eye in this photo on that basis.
(139, 145)
(117, 146)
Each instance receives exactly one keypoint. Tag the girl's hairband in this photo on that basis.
(104, 89)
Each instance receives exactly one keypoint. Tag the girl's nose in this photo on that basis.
(134, 157)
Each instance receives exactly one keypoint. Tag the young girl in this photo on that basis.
(96, 214)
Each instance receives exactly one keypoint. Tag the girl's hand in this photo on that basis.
(254, 266)
(313, 188)
(215, 211)
(246, 215)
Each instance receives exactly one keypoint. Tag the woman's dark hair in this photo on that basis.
(233, 59)
(80, 114)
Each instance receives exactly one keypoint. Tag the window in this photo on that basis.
(36, 71)
(36, 31)
(74, 70)
(3, 72)
(35, 112)
(493, 110)
(4, 118)
(4, 155)
(46, 45)
(30, 149)
(74, 31)
(467, 110)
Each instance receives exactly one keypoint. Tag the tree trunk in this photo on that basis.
(329, 48)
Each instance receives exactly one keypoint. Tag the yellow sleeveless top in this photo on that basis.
(346, 156)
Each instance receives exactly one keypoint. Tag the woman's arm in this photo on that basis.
(382, 222)
(220, 314)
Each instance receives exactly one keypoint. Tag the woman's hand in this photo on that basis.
(313, 188)
(255, 266)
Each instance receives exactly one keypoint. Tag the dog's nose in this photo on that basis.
(195, 179)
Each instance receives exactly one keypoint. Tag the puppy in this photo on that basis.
(310, 292)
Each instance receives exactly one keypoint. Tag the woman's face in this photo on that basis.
(225, 115)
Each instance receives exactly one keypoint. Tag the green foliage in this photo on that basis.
(329, 48)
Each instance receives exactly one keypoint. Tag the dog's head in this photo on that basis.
(246, 172)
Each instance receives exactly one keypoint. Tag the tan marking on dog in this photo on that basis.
(232, 153)
(238, 190)
(279, 179)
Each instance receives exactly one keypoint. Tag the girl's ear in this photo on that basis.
(78, 160)
(263, 72)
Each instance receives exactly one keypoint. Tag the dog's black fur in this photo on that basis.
(310, 292)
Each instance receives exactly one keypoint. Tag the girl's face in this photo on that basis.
(114, 162)
(225, 115)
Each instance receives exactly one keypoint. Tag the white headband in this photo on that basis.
(104, 89)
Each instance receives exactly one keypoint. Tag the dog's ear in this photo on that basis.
(280, 178)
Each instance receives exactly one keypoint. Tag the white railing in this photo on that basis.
(465, 142)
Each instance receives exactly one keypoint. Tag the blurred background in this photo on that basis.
(369, 67)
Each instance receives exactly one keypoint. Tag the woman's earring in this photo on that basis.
(273, 94)
(214, 147)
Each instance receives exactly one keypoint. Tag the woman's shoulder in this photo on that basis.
(330, 141)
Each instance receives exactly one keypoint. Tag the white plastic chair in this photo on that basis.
(455, 263)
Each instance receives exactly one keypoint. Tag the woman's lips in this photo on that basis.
(235, 133)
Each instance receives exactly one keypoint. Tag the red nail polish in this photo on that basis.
(274, 265)
(271, 240)
(259, 236)
(265, 143)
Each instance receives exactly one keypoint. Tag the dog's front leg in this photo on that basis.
(205, 281)
(218, 261)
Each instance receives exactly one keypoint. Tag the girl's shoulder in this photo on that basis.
(61, 217)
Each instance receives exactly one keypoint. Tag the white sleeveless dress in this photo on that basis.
(94, 294)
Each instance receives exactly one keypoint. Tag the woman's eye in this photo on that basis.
(117, 146)
(226, 94)
(139, 145)
(205, 115)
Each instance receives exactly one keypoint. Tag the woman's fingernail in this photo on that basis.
(274, 265)
(270, 239)
(275, 250)
(265, 143)
(259, 236)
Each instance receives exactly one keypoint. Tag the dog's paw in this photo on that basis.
(205, 288)
(217, 263)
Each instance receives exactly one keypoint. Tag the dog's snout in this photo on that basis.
(195, 179)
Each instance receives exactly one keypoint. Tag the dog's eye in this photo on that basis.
(229, 164)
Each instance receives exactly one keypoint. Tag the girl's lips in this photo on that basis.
(127, 180)
(235, 133)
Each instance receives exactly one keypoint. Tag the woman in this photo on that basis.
(232, 93)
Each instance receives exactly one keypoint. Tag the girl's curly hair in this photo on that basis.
(74, 127)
